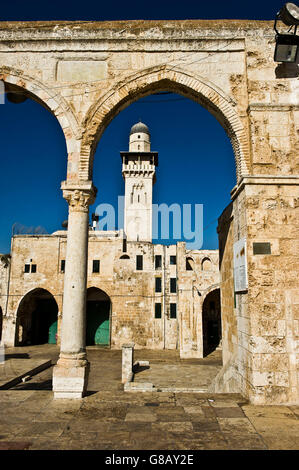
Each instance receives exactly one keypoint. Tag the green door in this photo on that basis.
(52, 332)
(98, 322)
(102, 333)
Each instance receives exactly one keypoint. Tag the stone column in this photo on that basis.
(127, 362)
(71, 372)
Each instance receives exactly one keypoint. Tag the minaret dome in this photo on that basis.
(139, 138)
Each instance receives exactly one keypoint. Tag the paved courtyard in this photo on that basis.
(110, 419)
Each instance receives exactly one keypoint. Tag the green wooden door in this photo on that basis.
(102, 333)
(98, 322)
(52, 332)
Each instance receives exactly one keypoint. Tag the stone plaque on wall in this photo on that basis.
(240, 266)
(81, 71)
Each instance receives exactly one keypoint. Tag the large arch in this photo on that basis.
(98, 317)
(18, 81)
(158, 79)
(36, 321)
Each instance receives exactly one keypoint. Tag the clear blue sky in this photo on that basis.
(196, 162)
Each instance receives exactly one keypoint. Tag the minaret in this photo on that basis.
(138, 169)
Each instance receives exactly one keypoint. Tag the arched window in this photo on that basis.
(206, 264)
(124, 257)
(189, 264)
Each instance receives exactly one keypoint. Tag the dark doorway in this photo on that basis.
(37, 319)
(98, 307)
(211, 322)
(44, 322)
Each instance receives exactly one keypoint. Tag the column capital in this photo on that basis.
(79, 195)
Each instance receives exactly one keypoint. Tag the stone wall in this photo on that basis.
(85, 73)
(132, 293)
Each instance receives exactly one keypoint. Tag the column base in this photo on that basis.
(70, 376)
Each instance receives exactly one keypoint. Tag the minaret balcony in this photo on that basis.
(138, 168)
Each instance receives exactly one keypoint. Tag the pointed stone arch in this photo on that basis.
(157, 79)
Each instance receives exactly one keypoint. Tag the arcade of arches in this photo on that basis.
(227, 67)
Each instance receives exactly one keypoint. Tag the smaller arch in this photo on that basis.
(206, 264)
(189, 263)
(17, 82)
(98, 315)
(124, 257)
(37, 316)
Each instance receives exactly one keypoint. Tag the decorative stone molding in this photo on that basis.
(264, 180)
(72, 360)
(79, 197)
(272, 107)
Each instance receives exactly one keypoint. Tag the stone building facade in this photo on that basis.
(85, 73)
(137, 291)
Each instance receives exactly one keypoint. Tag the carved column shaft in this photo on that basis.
(70, 374)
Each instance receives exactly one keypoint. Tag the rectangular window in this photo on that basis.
(158, 284)
(62, 265)
(96, 266)
(172, 310)
(33, 268)
(27, 268)
(173, 285)
(139, 262)
(158, 262)
(172, 259)
(158, 310)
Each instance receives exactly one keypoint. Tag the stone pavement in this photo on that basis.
(170, 373)
(110, 419)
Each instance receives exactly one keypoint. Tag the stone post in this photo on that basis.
(127, 362)
(71, 372)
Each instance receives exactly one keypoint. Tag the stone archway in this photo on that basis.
(98, 309)
(154, 80)
(37, 318)
(211, 321)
